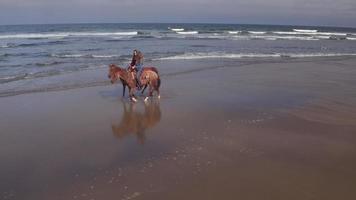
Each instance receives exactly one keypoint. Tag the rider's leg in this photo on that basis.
(139, 71)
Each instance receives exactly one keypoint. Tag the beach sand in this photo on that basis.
(276, 130)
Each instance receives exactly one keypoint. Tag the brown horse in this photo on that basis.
(126, 77)
(149, 76)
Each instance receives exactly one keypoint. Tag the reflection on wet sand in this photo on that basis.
(136, 121)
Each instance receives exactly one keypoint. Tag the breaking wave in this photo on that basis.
(83, 56)
(305, 30)
(65, 34)
(192, 56)
(188, 32)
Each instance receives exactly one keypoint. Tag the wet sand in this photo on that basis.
(275, 130)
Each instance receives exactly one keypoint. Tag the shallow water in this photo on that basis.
(29, 54)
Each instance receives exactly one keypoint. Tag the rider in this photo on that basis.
(137, 64)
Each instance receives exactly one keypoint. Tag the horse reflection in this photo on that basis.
(135, 121)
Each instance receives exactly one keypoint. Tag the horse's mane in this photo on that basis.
(117, 69)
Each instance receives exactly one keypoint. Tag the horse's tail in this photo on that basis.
(159, 82)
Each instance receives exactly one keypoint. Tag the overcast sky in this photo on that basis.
(294, 12)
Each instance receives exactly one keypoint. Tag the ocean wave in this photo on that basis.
(8, 79)
(45, 64)
(176, 29)
(83, 56)
(257, 32)
(331, 34)
(33, 35)
(12, 45)
(27, 45)
(188, 32)
(193, 56)
(318, 55)
(65, 34)
(305, 30)
(105, 56)
(4, 55)
(272, 37)
(68, 55)
(104, 34)
(93, 49)
(310, 33)
(144, 37)
(13, 54)
(234, 32)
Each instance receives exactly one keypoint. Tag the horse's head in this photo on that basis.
(113, 69)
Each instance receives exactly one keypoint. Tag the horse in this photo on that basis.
(126, 78)
(149, 76)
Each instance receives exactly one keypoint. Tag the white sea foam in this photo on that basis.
(310, 33)
(104, 34)
(65, 34)
(68, 55)
(273, 37)
(104, 56)
(234, 32)
(177, 29)
(7, 78)
(83, 56)
(284, 37)
(257, 32)
(334, 34)
(305, 30)
(192, 56)
(322, 37)
(350, 38)
(34, 35)
(188, 32)
(320, 55)
(216, 55)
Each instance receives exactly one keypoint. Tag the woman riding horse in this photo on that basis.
(149, 77)
(137, 65)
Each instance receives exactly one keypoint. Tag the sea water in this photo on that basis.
(45, 57)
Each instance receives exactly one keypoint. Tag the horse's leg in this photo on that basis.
(132, 95)
(155, 85)
(151, 90)
(144, 89)
(158, 86)
(157, 89)
(123, 89)
(149, 93)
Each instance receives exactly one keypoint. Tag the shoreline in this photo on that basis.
(97, 77)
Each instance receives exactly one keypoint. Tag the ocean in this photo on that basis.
(51, 57)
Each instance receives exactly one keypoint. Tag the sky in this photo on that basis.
(287, 12)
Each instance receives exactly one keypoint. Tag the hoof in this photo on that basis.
(159, 96)
(146, 99)
(134, 99)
